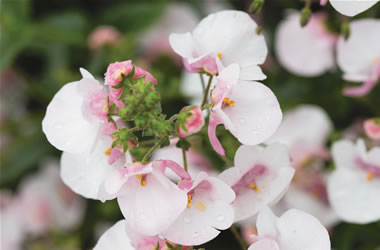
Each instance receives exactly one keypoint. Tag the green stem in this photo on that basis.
(173, 118)
(207, 90)
(184, 159)
(151, 150)
(202, 82)
(206, 106)
(131, 130)
(236, 233)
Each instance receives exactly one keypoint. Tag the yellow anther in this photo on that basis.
(228, 101)
(369, 176)
(200, 206)
(108, 151)
(375, 59)
(189, 200)
(141, 177)
(219, 55)
(254, 187)
(117, 76)
(105, 107)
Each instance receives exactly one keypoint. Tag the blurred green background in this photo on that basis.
(44, 42)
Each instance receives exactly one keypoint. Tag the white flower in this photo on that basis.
(226, 36)
(305, 51)
(294, 230)
(352, 7)
(354, 187)
(260, 178)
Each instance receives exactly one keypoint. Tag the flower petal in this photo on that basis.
(215, 143)
(352, 8)
(115, 238)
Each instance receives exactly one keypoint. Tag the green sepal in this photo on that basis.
(184, 144)
(305, 16)
(166, 142)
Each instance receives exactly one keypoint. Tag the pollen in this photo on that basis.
(254, 187)
(229, 102)
(219, 55)
(141, 177)
(200, 206)
(189, 201)
(108, 151)
(369, 176)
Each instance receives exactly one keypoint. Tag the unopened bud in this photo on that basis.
(256, 7)
(193, 122)
(345, 30)
(305, 16)
(372, 128)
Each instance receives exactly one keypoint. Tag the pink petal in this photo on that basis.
(361, 90)
(215, 143)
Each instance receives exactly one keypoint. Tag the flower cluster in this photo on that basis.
(111, 135)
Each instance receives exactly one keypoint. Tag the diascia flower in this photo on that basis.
(359, 56)
(249, 110)
(147, 198)
(77, 115)
(208, 209)
(121, 237)
(260, 178)
(193, 123)
(306, 51)
(350, 7)
(354, 187)
(294, 230)
(226, 36)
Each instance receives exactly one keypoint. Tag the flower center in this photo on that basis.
(117, 75)
(372, 170)
(142, 178)
(189, 201)
(108, 151)
(219, 55)
(250, 179)
(228, 102)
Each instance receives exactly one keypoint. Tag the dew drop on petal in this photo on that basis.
(187, 220)
(220, 218)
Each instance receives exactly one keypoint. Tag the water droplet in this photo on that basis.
(220, 218)
(187, 220)
(195, 234)
(59, 125)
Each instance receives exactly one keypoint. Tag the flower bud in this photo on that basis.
(305, 16)
(193, 122)
(345, 30)
(372, 128)
(256, 7)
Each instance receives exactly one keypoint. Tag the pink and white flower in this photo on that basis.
(46, 203)
(194, 122)
(304, 130)
(249, 110)
(197, 162)
(350, 7)
(208, 209)
(103, 35)
(305, 51)
(227, 37)
(354, 187)
(359, 56)
(85, 173)
(372, 128)
(260, 178)
(147, 198)
(121, 237)
(294, 230)
(76, 115)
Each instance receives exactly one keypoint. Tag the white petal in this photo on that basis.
(85, 73)
(84, 173)
(196, 226)
(302, 50)
(232, 33)
(264, 244)
(183, 44)
(266, 223)
(152, 208)
(252, 72)
(359, 55)
(115, 238)
(352, 7)
(299, 231)
(354, 198)
(256, 114)
(344, 154)
(64, 124)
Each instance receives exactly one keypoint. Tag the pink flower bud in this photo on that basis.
(372, 128)
(194, 122)
(103, 35)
